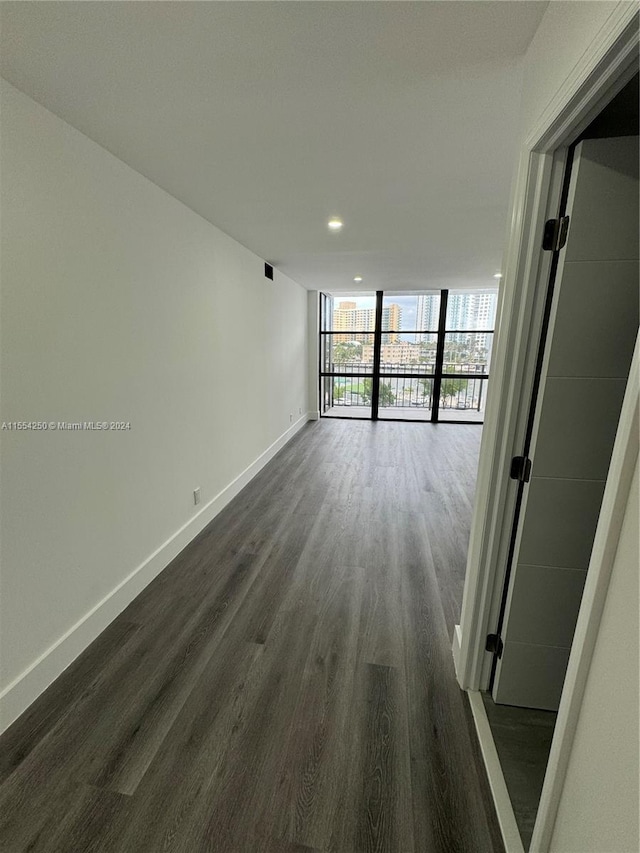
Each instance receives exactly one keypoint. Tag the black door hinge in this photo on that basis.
(520, 469)
(494, 644)
(555, 234)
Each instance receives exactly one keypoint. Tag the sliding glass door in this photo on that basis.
(406, 356)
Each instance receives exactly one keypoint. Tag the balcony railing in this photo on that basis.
(461, 386)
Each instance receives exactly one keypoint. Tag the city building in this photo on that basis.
(395, 354)
(475, 310)
(465, 310)
(428, 312)
(347, 317)
(472, 311)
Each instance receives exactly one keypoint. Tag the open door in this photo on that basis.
(590, 338)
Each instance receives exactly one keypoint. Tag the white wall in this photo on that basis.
(120, 304)
(566, 31)
(598, 811)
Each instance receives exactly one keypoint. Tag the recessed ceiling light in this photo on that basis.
(498, 275)
(334, 224)
(357, 278)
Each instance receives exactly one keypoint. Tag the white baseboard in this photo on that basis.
(501, 799)
(313, 416)
(26, 688)
(455, 648)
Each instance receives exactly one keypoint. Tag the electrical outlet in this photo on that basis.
(196, 496)
(291, 418)
(299, 410)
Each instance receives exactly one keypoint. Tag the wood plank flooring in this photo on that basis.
(286, 684)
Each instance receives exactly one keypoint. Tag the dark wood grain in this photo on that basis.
(286, 684)
(441, 750)
(384, 807)
(60, 698)
(87, 825)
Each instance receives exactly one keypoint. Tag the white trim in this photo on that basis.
(614, 501)
(503, 432)
(501, 800)
(601, 72)
(26, 688)
(313, 416)
(457, 639)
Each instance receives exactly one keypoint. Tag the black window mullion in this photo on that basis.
(437, 382)
(321, 383)
(377, 347)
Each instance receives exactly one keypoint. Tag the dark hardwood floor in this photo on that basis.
(286, 684)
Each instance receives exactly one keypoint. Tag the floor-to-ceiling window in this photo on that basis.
(347, 332)
(468, 337)
(406, 356)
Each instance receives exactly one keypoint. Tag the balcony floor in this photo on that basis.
(405, 413)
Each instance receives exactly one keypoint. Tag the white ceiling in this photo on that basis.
(269, 117)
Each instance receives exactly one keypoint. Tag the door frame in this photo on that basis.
(595, 80)
(536, 405)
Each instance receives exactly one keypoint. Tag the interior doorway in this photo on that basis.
(583, 360)
(406, 356)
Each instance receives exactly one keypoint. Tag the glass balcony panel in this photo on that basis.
(346, 397)
(462, 398)
(403, 398)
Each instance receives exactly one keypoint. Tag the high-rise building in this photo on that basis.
(347, 317)
(474, 309)
(427, 312)
(391, 319)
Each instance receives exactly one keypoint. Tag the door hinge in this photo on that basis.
(520, 469)
(555, 234)
(494, 644)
